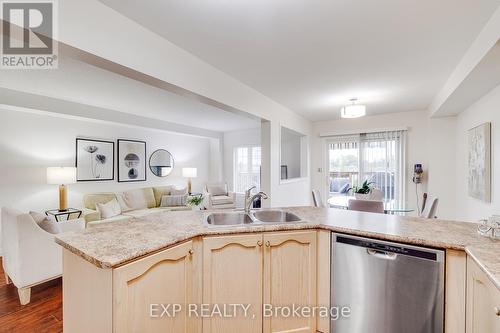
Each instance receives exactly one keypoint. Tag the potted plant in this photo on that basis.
(362, 192)
(195, 201)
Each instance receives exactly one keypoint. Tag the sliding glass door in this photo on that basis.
(378, 158)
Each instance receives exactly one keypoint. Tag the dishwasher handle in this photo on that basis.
(382, 254)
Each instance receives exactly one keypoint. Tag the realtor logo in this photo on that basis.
(28, 34)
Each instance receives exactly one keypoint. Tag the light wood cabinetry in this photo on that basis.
(290, 279)
(455, 295)
(152, 294)
(275, 268)
(483, 301)
(232, 274)
(120, 300)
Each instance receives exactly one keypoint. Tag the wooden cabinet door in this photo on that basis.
(168, 277)
(232, 274)
(290, 264)
(483, 301)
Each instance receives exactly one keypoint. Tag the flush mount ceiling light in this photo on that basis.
(353, 110)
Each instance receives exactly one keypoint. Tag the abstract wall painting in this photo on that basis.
(479, 180)
(131, 161)
(95, 160)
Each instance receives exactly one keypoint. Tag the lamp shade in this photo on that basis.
(61, 175)
(189, 172)
(353, 111)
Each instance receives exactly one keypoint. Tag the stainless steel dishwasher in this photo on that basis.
(390, 287)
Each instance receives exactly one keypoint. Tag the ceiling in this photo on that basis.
(79, 82)
(312, 56)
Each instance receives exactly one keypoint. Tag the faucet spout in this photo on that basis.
(250, 201)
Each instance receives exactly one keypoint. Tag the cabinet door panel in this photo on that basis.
(483, 298)
(168, 277)
(290, 265)
(232, 274)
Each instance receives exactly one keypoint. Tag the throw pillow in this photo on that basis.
(123, 203)
(45, 223)
(109, 209)
(218, 189)
(181, 191)
(173, 200)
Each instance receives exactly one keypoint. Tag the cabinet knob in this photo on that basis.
(497, 311)
(191, 252)
(268, 244)
(259, 243)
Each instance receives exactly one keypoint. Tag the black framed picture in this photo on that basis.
(95, 160)
(131, 161)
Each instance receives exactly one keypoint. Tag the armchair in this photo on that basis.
(217, 196)
(30, 254)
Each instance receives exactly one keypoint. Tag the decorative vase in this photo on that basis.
(360, 196)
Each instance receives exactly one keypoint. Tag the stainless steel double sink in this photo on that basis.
(258, 217)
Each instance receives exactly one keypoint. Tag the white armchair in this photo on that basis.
(217, 196)
(30, 254)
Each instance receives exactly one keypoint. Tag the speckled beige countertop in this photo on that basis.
(113, 244)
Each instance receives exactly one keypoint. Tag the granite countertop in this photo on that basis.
(113, 244)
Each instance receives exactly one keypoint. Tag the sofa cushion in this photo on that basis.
(123, 203)
(179, 191)
(221, 200)
(45, 223)
(90, 200)
(217, 189)
(160, 191)
(173, 200)
(109, 209)
(140, 198)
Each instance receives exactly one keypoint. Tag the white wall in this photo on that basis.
(487, 109)
(250, 137)
(144, 51)
(29, 143)
(422, 147)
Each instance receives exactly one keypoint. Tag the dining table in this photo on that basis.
(391, 206)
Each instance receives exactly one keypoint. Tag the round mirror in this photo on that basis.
(161, 163)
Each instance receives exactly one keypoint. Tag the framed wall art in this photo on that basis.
(479, 146)
(131, 161)
(94, 160)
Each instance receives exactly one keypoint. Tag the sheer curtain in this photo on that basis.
(377, 157)
(383, 163)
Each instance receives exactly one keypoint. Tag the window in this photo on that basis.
(376, 157)
(246, 168)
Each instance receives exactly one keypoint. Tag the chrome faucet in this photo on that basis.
(249, 200)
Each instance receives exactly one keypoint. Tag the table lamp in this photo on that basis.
(61, 176)
(189, 173)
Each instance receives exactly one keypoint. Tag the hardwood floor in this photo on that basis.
(43, 314)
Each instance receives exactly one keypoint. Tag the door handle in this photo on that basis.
(381, 254)
(497, 311)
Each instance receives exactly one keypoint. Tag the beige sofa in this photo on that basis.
(134, 203)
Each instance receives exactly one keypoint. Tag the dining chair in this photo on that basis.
(366, 206)
(430, 210)
(318, 202)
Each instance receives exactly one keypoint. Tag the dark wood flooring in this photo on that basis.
(43, 314)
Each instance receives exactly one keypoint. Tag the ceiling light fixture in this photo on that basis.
(353, 110)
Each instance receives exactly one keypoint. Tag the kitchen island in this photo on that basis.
(111, 262)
